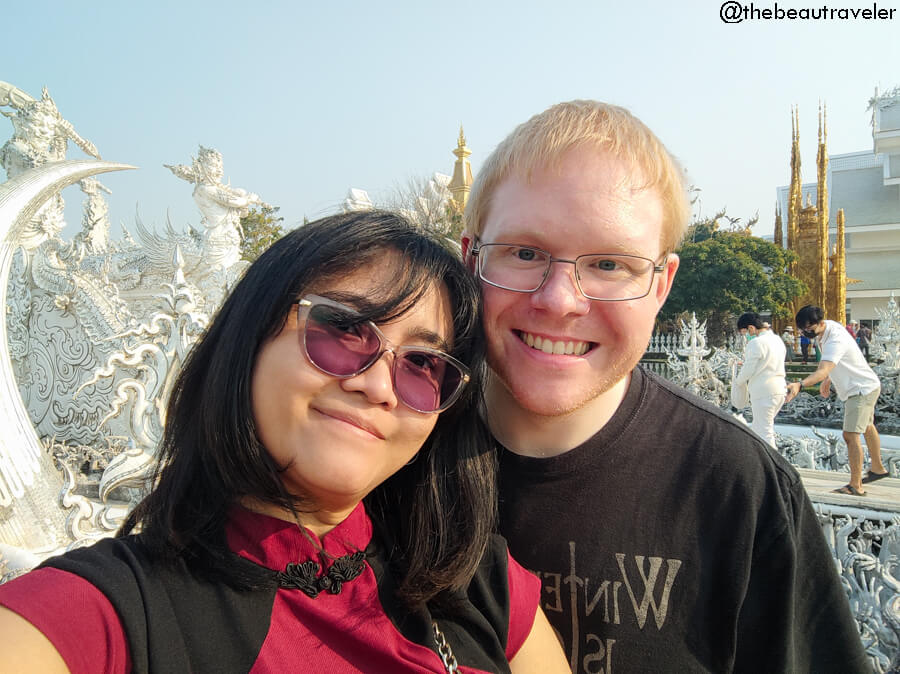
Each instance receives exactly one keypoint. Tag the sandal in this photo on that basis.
(871, 477)
(849, 490)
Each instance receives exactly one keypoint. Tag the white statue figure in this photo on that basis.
(222, 207)
(95, 220)
(40, 136)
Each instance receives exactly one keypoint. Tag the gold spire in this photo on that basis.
(461, 182)
(837, 276)
(778, 236)
(821, 280)
(821, 267)
(795, 198)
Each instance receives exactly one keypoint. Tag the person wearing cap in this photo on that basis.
(788, 338)
(857, 386)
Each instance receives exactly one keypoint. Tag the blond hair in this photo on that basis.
(542, 141)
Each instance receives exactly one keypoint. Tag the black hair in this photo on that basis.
(749, 318)
(809, 315)
(437, 512)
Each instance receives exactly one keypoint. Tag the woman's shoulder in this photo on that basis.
(116, 559)
(158, 599)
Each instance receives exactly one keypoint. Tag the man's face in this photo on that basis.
(813, 330)
(589, 204)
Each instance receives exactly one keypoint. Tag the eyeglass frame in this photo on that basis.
(657, 269)
(306, 303)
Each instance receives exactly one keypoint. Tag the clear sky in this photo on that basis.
(306, 100)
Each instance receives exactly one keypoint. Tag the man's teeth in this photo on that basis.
(549, 346)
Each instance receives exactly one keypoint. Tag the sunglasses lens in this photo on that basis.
(337, 342)
(426, 381)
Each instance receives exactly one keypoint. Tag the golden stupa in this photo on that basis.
(807, 232)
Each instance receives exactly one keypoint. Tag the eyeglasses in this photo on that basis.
(809, 332)
(339, 343)
(608, 277)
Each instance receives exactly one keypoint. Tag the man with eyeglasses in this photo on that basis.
(858, 387)
(668, 537)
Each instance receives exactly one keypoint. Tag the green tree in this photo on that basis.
(261, 228)
(726, 271)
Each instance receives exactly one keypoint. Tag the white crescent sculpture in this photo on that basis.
(20, 199)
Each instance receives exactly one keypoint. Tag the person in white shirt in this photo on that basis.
(762, 375)
(856, 385)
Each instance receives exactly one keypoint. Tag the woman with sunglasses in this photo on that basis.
(325, 496)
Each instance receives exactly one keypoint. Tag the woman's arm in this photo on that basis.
(541, 653)
(24, 648)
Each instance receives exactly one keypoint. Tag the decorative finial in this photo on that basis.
(820, 121)
(462, 137)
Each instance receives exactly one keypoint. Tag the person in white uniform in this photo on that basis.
(857, 386)
(762, 376)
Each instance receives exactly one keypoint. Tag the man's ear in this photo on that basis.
(667, 278)
(465, 242)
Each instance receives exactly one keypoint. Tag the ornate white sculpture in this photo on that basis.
(40, 136)
(23, 463)
(705, 377)
(886, 339)
(866, 544)
(94, 235)
(94, 333)
(222, 207)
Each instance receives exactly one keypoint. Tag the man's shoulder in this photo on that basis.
(685, 409)
(697, 426)
(836, 332)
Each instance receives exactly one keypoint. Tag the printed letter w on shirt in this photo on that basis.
(649, 580)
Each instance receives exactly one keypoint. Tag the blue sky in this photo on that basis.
(306, 100)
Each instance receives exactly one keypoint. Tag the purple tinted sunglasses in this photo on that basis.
(338, 343)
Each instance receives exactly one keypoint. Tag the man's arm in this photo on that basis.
(820, 375)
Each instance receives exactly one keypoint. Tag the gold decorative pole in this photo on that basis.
(838, 310)
(821, 278)
(795, 200)
(778, 235)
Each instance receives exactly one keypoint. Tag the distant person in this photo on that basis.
(804, 347)
(788, 338)
(864, 339)
(851, 328)
(762, 374)
(856, 385)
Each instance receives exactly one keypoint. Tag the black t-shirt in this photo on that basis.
(675, 540)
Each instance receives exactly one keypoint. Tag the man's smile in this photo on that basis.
(558, 347)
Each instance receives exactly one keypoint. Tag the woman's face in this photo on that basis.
(337, 439)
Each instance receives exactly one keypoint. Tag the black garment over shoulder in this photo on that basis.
(675, 540)
(175, 621)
